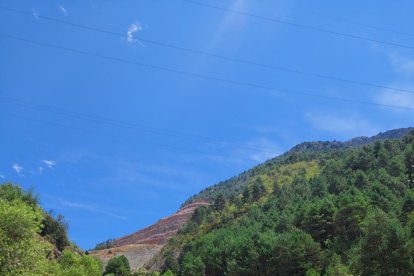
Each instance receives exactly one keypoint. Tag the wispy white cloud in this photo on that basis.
(88, 207)
(406, 100)
(17, 168)
(49, 163)
(38, 170)
(239, 155)
(2, 176)
(152, 176)
(234, 23)
(402, 64)
(79, 156)
(35, 170)
(404, 67)
(349, 124)
(259, 150)
(132, 174)
(63, 9)
(229, 22)
(132, 29)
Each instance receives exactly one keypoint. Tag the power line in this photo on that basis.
(298, 25)
(177, 148)
(270, 90)
(203, 53)
(122, 124)
(365, 25)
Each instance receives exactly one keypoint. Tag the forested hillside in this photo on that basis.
(235, 185)
(317, 211)
(34, 242)
(323, 208)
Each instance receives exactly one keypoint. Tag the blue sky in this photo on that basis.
(115, 146)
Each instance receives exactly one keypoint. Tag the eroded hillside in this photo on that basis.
(141, 246)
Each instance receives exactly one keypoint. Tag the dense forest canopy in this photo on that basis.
(313, 150)
(325, 211)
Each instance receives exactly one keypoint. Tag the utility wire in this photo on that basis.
(298, 25)
(360, 24)
(117, 123)
(100, 133)
(270, 90)
(203, 53)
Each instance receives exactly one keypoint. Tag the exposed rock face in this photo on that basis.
(141, 246)
(137, 254)
(160, 232)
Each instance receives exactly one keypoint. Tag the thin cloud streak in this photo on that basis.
(89, 207)
(63, 9)
(152, 177)
(402, 64)
(256, 150)
(348, 124)
(392, 98)
(17, 168)
(49, 163)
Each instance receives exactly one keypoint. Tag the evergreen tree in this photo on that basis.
(383, 249)
(219, 203)
(337, 268)
(192, 266)
(118, 266)
(258, 189)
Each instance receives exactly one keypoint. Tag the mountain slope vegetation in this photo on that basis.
(320, 209)
(323, 208)
(235, 185)
(34, 242)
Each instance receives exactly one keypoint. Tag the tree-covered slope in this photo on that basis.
(236, 184)
(34, 242)
(332, 211)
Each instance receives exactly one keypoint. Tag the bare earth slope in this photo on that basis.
(142, 245)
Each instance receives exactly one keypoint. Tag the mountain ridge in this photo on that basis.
(238, 182)
(354, 142)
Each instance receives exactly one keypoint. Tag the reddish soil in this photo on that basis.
(142, 245)
(160, 232)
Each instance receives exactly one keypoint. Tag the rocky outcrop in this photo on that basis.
(141, 246)
(160, 232)
(137, 254)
